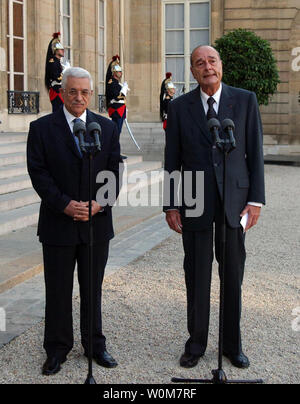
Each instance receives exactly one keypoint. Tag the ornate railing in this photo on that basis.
(23, 102)
(102, 103)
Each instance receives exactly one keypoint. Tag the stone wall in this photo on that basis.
(134, 30)
(278, 21)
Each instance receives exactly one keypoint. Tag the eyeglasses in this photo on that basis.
(75, 93)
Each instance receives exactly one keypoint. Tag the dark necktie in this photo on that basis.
(211, 113)
(75, 137)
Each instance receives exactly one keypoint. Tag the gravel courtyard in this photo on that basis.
(144, 309)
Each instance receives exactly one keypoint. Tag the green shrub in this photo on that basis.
(249, 63)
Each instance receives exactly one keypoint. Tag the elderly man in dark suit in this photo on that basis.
(59, 174)
(190, 147)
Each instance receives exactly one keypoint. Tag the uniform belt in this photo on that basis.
(55, 83)
(117, 102)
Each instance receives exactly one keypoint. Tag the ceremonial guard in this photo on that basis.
(54, 71)
(116, 93)
(167, 94)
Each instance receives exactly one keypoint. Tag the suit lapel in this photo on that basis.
(89, 118)
(197, 112)
(64, 132)
(226, 108)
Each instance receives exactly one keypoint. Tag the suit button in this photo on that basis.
(216, 165)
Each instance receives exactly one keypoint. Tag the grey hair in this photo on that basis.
(203, 46)
(77, 72)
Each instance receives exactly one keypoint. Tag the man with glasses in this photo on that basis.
(59, 174)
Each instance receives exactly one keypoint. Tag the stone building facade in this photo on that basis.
(151, 37)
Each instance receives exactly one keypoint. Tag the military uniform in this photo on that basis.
(54, 73)
(116, 94)
(166, 98)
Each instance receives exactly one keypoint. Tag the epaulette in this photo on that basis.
(51, 60)
(110, 81)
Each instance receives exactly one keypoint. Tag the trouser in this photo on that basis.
(119, 121)
(198, 247)
(59, 265)
(57, 103)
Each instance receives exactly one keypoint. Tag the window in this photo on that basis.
(101, 46)
(16, 45)
(66, 30)
(186, 25)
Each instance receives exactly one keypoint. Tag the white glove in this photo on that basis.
(125, 89)
(65, 66)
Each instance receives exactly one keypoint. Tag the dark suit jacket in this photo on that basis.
(59, 175)
(190, 147)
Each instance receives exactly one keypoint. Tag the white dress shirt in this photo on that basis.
(216, 97)
(70, 118)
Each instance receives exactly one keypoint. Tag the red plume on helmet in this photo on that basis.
(168, 75)
(56, 35)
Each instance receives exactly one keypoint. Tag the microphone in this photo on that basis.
(229, 127)
(79, 131)
(94, 129)
(214, 127)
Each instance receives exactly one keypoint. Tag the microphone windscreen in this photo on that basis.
(94, 126)
(79, 127)
(228, 123)
(213, 123)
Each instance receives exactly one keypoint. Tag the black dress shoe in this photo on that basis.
(52, 366)
(189, 360)
(104, 359)
(239, 361)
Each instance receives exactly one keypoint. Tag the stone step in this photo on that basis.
(13, 170)
(144, 166)
(18, 218)
(149, 136)
(12, 148)
(18, 199)
(12, 138)
(11, 159)
(19, 203)
(133, 160)
(13, 184)
(15, 215)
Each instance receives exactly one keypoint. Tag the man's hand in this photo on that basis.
(173, 219)
(79, 211)
(75, 208)
(254, 213)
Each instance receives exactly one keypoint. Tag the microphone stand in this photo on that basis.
(90, 150)
(219, 376)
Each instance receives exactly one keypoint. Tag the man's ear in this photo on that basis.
(191, 68)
